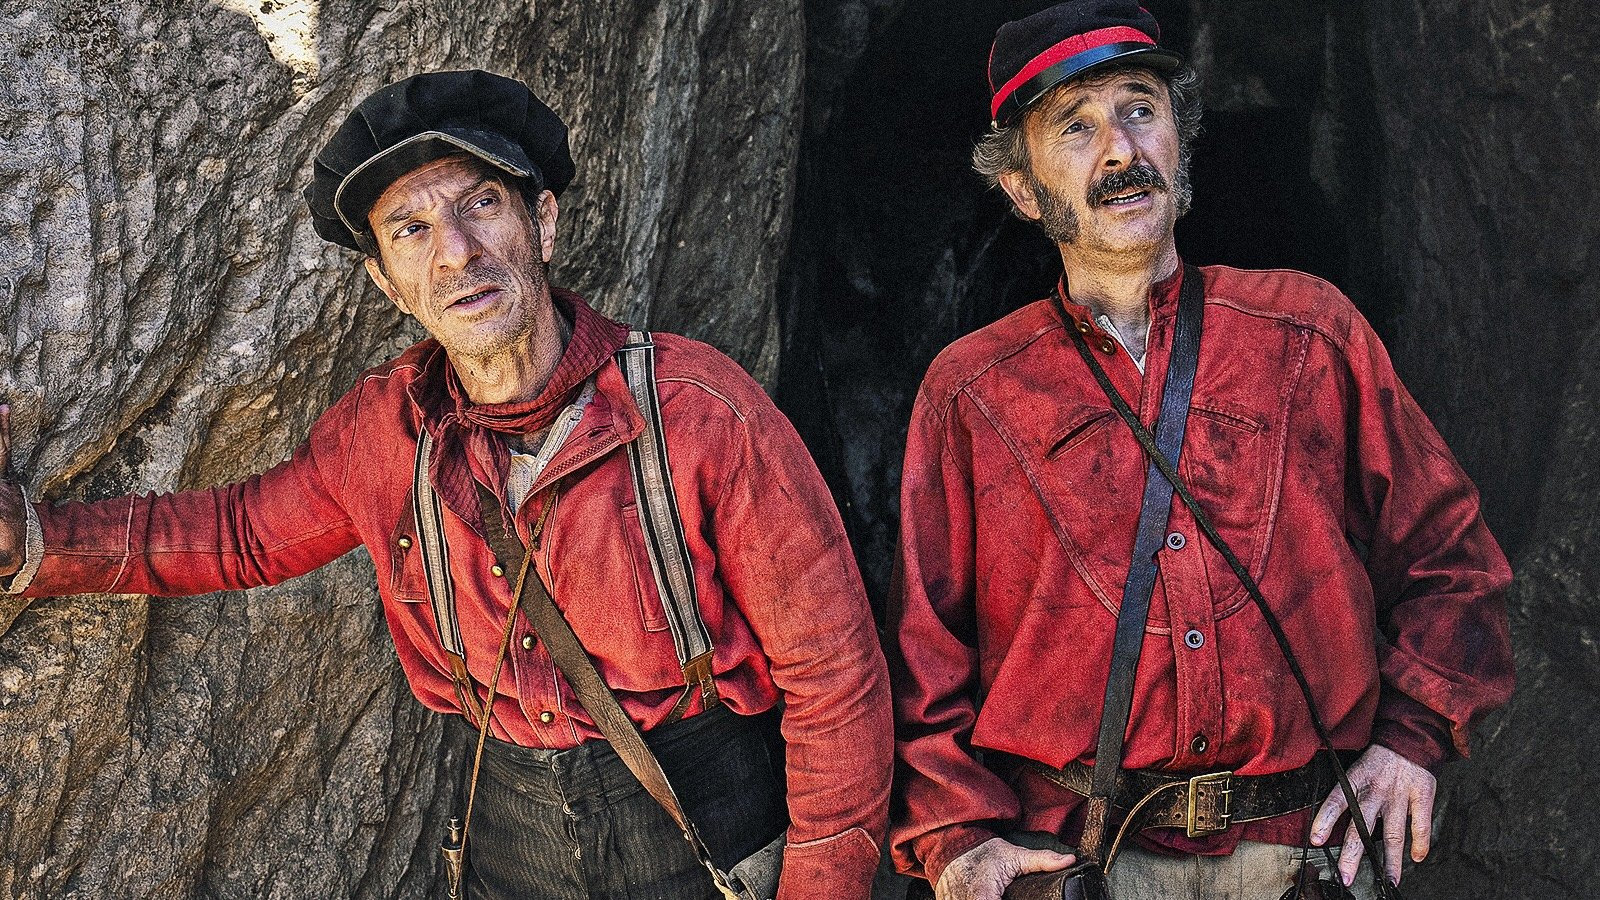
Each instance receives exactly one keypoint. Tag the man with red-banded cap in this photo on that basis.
(1183, 567)
(581, 532)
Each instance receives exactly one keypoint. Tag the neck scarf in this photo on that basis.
(471, 437)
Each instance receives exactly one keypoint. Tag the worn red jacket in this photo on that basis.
(1021, 492)
(778, 585)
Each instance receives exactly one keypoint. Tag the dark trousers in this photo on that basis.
(576, 823)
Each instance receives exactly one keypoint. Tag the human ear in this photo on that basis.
(1017, 187)
(375, 272)
(546, 212)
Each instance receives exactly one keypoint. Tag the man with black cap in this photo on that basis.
(1058, 613)
(667, 505)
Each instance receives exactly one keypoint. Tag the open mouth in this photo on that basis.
(474, 298)
(1126, 199)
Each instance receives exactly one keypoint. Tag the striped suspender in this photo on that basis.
(663, 528)
(429, 515)
(663, 539)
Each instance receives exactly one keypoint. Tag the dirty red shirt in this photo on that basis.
(778, 585)
(1021, 492)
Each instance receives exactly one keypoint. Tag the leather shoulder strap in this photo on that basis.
(1157, 505)
(664, 540)
(1166, 463)
(567, 651)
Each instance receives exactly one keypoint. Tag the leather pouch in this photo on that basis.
(1083, 881)
(756, 876)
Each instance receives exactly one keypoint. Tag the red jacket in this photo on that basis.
(778, 586)
(1021, 492)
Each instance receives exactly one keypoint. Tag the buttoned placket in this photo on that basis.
(1186, 595)
(541, 694)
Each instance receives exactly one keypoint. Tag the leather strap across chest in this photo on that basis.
(1148, 538)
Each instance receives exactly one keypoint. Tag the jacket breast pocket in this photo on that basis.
(652, 615)
(408, 577)
(1230, 466)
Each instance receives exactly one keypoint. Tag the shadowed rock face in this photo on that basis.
(171, 321)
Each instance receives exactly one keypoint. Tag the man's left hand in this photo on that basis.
(1393, 789)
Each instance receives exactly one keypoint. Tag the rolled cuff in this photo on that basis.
(32, 554)
(940, 848)
(1414, 731)
(840, 866)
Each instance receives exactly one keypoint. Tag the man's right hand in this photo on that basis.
(13, 513)
(984, 872)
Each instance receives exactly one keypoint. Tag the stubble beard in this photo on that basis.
(528, 278)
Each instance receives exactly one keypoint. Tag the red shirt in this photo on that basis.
(778, 585)
(1021, 492)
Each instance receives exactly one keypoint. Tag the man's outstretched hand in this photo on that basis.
(13, 513)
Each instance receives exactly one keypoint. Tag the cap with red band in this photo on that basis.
(1033, 55)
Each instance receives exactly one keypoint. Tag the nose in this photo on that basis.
(455, 246)
(1119, 150)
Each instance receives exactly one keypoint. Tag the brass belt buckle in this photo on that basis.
(1225, 782)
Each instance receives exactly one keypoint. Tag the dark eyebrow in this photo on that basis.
(406, 212)
(1066, 112)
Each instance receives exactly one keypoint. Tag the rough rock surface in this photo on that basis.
(172, 321)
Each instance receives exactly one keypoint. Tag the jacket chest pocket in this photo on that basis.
(1231, 468)
(651, 613)
(408, 577)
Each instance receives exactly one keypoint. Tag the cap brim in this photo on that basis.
(1122, 53)
(359, 190)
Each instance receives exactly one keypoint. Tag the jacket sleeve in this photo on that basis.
(263, 530)
(947, 802)
(783, 555)
(1439, 578)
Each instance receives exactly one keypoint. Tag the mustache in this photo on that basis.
(1138, 175)
(476, 273)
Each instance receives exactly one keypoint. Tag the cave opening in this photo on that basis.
(898, 248)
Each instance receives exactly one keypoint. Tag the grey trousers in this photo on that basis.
(1254, 871)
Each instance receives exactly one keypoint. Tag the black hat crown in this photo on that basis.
(424, 118)
(1033, 55)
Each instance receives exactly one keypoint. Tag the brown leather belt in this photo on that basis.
(1202, 804)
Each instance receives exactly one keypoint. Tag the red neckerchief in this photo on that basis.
(467, 435)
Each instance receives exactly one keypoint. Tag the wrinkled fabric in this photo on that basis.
(778, 585)
(1019, 502)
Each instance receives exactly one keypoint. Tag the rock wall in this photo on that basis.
(172, 321)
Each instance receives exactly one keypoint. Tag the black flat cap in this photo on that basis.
(424, 118)
(1033, 55)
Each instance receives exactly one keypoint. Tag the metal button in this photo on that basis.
(405, 543)
(1107, 345)
(1083, 327)
(1193, 639)
(497, 571)
(547, 717)
(527, 642)
(1176, 541)
(1199, 744)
